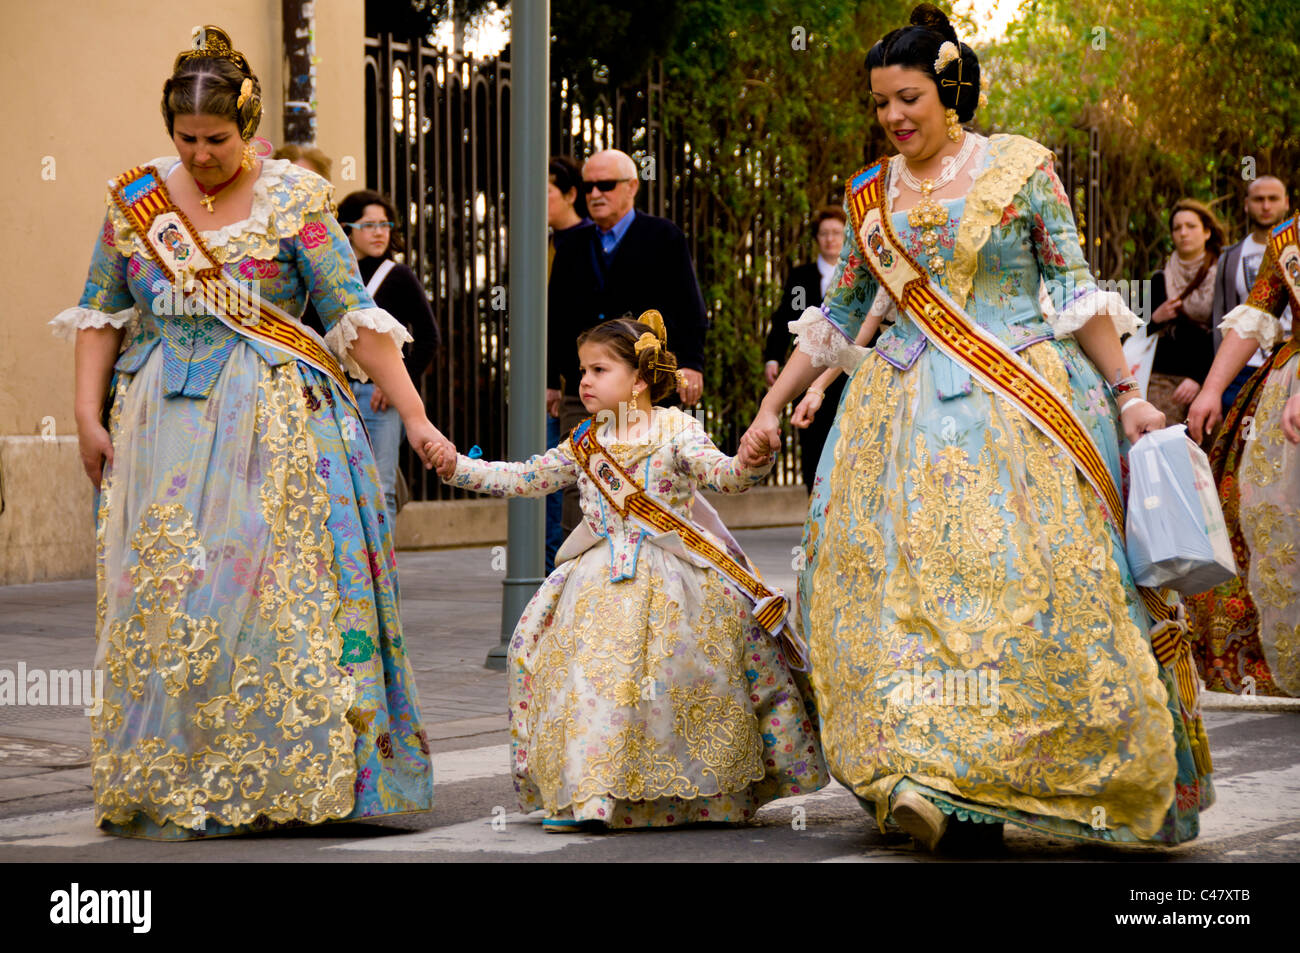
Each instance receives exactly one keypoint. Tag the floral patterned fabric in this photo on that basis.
(974, 629)
(642, 692)
(247, 617)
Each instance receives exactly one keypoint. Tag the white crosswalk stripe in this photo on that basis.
(450, 767)
(502, 833)
(1249, 803)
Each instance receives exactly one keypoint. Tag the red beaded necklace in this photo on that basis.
(210, 194)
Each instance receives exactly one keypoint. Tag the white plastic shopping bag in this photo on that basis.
(1176, 533)
(1140, 355)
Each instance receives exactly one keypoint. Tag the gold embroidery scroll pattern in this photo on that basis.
(1262, 460)
(850, 560)
(238, 776)
(633, 767)
(160, 639)
(720, 733)
(1273, 569)
(1076, 768)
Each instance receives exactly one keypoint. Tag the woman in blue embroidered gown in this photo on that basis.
(979, 649)
(247, 617)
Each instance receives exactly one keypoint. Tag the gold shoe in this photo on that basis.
(925, 822)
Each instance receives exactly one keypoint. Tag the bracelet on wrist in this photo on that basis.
(818, 391)
(1125, 385)
(1130, 403)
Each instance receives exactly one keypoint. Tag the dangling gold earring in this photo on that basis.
(954, 127)
(250, 156)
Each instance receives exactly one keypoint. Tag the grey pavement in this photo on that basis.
(451, 610)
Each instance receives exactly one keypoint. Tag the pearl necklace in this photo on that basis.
(928, 214)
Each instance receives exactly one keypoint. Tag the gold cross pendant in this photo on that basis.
(207, 201)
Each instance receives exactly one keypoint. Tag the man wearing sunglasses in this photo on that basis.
(629, 263)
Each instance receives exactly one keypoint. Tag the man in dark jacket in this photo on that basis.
(805, 288)
(1266, 205)
(629, 263)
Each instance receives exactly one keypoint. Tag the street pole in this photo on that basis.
(530, 29)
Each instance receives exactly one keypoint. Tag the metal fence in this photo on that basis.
(438, 143)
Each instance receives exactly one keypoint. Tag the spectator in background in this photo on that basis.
(1266, 205)
(371, 223)
(805, 288)
(308, 157)
(628, 264)
(566, 215)
(1182, 296)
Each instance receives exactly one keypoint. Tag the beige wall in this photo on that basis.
(83, 84)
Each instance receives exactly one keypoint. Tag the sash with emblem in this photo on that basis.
(621, 490)
(990, 361)
(174, 244)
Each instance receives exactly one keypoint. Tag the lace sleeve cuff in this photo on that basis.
(67, 323)
(1250, 322)
(824, 343)
(1087, 306)
(341, 336)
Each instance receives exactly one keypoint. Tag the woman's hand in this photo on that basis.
(1291, 418)
(770, 371)
(1166, 312)
(763, 436)
(95, 445)
(806, 409)
(1138, 417)
(1186, 392)
(1205, 413)
(691, 387)
(425, 440)
(378, 402)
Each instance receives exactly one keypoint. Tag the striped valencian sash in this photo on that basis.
(174, 244)
(630, 500)
(947, 326)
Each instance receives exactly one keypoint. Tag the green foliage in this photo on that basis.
(770, 96)
(1181, 91)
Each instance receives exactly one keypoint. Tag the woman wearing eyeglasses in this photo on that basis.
(370, 221)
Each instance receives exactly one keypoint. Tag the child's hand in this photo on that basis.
(749, 458)
(444, 459)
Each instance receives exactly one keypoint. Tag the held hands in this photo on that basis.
(760, 441)
(445, 461)
(426, 440)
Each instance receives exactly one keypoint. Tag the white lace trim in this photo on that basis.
(341, 336)
(68, 322)
(1087, 306)
(258, 222)
(1250, 322)
(824, 343)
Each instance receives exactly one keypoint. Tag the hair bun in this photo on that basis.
(928, 15)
